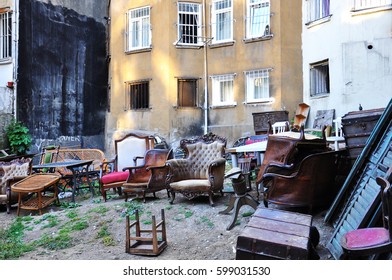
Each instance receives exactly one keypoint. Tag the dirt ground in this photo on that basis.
(195, 230)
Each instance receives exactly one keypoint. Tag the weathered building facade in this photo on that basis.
(182, 68)
(58, 69)
(347, 55)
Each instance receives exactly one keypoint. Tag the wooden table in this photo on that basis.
(36, 183)
(79, 168)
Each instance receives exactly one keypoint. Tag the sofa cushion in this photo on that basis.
(115, 177)
(191, 185)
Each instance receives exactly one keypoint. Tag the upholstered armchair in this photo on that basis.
(310, 184)
(10, 173)
(201, 171)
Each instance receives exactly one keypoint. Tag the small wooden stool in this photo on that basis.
(148, 244)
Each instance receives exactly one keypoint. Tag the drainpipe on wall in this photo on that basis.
(205, 70)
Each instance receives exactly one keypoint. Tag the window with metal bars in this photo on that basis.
(317, 9)
(187, 92)
(258, 18)
(319, 78)
(370, 4)
(5, 35)
(223, 90)
(257, 85)
(138, 30)
(189, 23)
(137, 95)
(222, 21)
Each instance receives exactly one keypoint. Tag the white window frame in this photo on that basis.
(319, 77)
(257, 18)
(318, 9)
(5, 36)
(217, 11)
(371, 4)
(139, 38)
(190, 10)
(257, 79)
(223, 96)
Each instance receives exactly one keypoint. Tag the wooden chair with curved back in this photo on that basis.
(127, 150)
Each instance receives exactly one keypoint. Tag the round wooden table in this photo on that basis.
(36, 184)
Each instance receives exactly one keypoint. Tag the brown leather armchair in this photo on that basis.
(201, 171)
(310, 184)
(149, 177)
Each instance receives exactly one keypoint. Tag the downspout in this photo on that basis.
(205, 70)
(15, 57)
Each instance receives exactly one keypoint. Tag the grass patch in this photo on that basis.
(204, 219)
(59, 241)
(68, 205)
(104, 233)
(72, 214)
(11, 241)
(183, 214)
(247, 214)
(50, 219)
(81, 225)
(99, 210)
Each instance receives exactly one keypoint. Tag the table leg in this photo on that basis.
(234, 160)
(19, 203)
(39, 194)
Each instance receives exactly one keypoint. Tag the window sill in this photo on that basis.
(185, 46)
(257, 39)
(321, 95)
(260, 102)
(371, 10)
(223, 106)
(223, 44)
(139, 50)
(138, 110)
(5, 61)
(185, 108)
(319, 21)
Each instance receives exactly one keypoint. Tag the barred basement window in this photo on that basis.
(319, 78)
(137, 95)
(5, 35)
(187, 92)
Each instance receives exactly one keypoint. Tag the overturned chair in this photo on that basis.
(201, 171)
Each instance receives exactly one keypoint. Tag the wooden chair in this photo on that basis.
(127, 150)
(146, 242)
(149, 177)
(376, 240)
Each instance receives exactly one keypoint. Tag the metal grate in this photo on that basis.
(189, 24)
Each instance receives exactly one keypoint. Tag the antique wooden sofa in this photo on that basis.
(201, 171)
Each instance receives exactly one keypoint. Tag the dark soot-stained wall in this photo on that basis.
(62, 74)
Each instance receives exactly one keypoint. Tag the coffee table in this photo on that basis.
(36, 184)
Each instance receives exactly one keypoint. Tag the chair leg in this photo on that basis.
(210, 196)
(173, 196)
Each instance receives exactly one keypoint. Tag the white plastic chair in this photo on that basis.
(279, 127)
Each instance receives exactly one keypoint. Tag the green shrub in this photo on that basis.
(18, 137)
